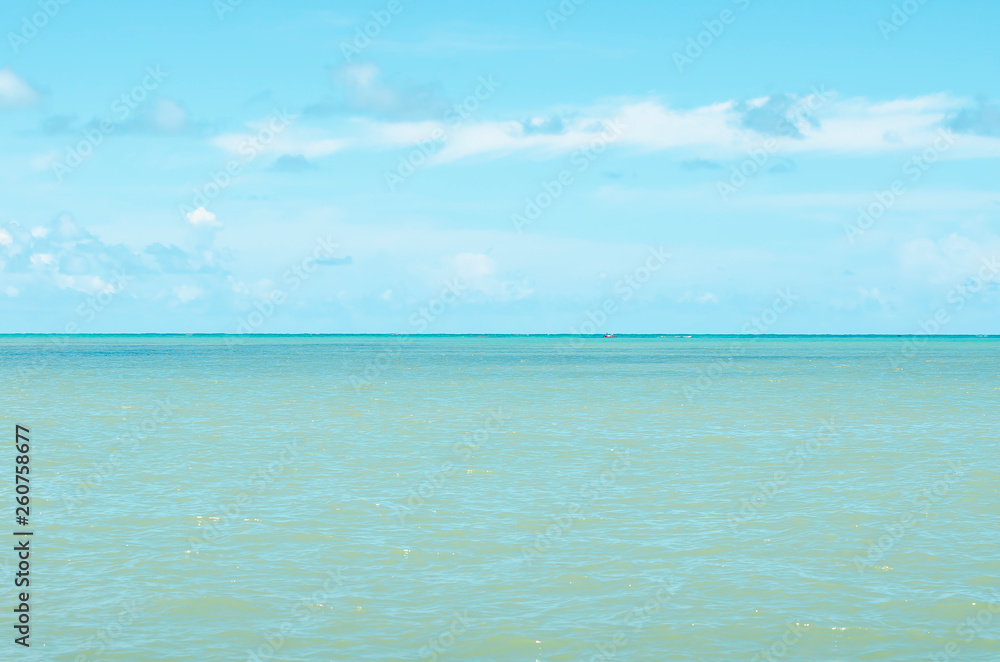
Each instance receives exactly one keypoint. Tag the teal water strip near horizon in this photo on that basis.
(56, 338)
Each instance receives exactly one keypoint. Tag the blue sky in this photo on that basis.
(712, 167)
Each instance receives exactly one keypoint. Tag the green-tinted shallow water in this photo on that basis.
(508, 498)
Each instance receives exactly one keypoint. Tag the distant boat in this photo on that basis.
(609, 335)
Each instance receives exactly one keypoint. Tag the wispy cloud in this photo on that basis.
(294, 141)
(717, 131)
(14, 91)
(362, 88)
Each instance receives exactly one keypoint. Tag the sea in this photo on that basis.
(505, 498)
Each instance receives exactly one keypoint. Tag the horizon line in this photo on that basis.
(519, 335)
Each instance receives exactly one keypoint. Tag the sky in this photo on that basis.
(403, 166)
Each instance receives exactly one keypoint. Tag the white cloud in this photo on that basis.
(14, 92)
(365, 90)
(5, 238)
(950, 259)
(11, 291)
(652, 126)
(187, 292)
(168, 115)
(281, 140)
(87, 284)
(42, 162)
(398, 134)
(473, 265)
(202, 216)
(820, 123)
(97, 285)
(648, 125)
(68, 257)
(238, 143)
(872, 295)
(362, 79)
(478, 272)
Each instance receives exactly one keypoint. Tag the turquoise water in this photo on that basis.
(508, 498)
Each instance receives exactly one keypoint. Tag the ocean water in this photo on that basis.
(508, 498)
